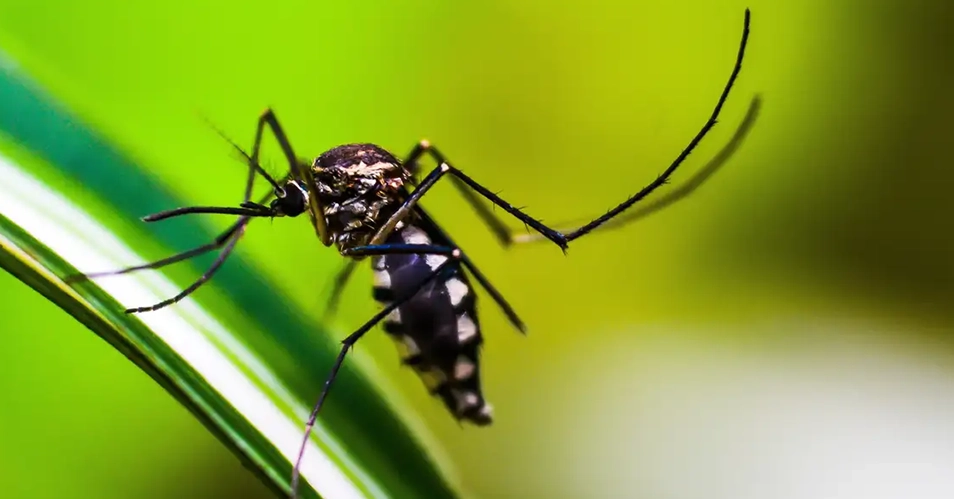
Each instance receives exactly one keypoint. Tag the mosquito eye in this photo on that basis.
(292, 203)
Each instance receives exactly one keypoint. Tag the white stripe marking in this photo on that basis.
(464, 368)
(457, 290)
(465, 400)
(382, 279)
(413, 235)
(435, 261)
(466, 329)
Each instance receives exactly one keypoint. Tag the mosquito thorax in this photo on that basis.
(359, 186)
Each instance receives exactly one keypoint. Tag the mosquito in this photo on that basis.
(365, 201)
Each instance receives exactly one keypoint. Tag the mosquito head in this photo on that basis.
(294, 202)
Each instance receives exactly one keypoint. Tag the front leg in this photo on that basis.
(298, 172)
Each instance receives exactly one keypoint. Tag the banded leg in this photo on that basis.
(562, 239)
(352, 338)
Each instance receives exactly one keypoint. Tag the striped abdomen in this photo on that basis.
(436, 331)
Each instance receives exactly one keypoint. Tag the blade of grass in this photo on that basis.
(366, 449)
(171, 347)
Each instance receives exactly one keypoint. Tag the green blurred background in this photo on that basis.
(785, 332)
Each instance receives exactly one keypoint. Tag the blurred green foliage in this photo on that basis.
(837, 205)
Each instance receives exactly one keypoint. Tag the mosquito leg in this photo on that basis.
(219, 241)
(432, 178)
(300, 172)
(661, 179)
(496, 226)
(345, 273)
(468, 264)
(690, 186)
(401, 249)
(267, 118)
(226, 241)
(250, 210)
(497, 297)
(348, 342)
(226, 251)
(500, 230)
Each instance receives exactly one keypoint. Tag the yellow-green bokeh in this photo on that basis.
(834, 212)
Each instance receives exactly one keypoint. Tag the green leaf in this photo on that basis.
(250, 384)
